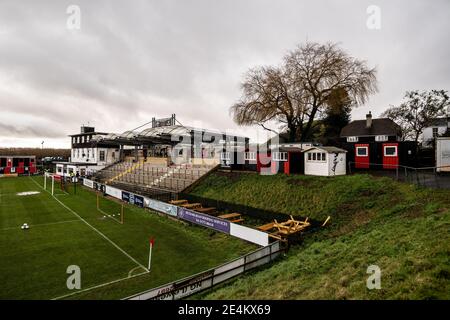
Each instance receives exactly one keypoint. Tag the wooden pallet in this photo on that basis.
(206, 210)
(191, 205)
(178, 202)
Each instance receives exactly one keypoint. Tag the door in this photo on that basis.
(21, 167)
(390, 155)
(362, 156)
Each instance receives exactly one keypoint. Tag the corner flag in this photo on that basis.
(152, 242)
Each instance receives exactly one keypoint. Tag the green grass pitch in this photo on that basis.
(68, 229)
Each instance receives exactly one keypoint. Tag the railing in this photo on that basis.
(432, 177)
(207, 279)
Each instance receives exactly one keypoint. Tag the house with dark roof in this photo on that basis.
(371, 130)
(375, 143)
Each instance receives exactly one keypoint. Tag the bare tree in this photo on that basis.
(418, 111)
(297, 92)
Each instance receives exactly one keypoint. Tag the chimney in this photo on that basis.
(369, 120)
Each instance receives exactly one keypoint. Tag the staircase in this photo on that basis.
(129, 170)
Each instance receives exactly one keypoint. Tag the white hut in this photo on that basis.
(325, 161)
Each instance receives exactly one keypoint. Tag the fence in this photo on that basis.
(209, 278)
(426, 176)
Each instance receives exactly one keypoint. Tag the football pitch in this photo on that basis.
(69, 229)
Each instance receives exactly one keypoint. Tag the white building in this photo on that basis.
(443, 154)
(437, 128)
(325, 161)
(88, 155)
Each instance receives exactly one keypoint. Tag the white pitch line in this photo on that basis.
(108, 215)
(101, 285)
(93, 228)
(42, 224)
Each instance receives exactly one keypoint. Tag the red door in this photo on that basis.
(362, 156)
(21, 168)
(8, 165)
(32, 167)
(390, 155)
(263, 162)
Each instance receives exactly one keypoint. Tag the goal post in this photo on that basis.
(109, 208)
(52, 177)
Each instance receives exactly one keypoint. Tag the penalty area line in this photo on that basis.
(93, 228)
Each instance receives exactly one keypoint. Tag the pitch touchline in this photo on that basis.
(93, 228)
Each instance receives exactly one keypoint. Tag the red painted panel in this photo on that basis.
(32, 169)
(362, 161)
(21, 168)
(287, 164)
(263, 161)
(390, 155)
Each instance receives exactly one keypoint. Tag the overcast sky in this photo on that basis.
(132, 60)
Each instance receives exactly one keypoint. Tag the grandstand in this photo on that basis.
(166, 158)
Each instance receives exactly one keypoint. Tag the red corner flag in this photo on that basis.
(152, 242)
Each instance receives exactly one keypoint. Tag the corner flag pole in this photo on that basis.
(152, 241)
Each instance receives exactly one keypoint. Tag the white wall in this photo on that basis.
(443, 154)
(316, 168)
(341, 167)
(324, 168)
(94, 155)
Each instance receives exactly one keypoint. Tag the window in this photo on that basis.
(435, 132)
(381, 138)
(102, 156)
(279, 156)
(352, 139)
(59, 169)
(390, 151)
(225, 156)
(317, 156)
(88, 153)
(362, 151)
(250, 156)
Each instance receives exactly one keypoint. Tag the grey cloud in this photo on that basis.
(134, 60)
